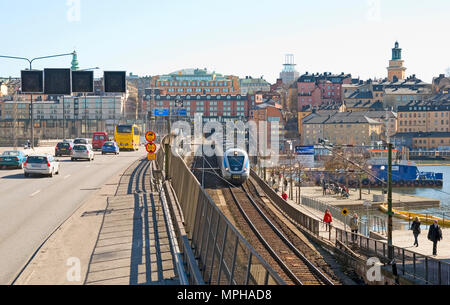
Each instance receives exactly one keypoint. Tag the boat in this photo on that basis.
(427, 219)
(405, 173)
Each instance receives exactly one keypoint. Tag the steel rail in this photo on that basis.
(315, 270)
(272, 252)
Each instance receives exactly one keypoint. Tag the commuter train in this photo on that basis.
(234, 165)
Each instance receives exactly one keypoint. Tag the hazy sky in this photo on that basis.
(239, 37)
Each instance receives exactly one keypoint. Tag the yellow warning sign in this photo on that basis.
(344, 212)
(151, 157)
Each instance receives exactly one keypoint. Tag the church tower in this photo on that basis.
(396, 71)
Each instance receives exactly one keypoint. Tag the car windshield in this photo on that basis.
(11, 153)
(80, 141)
(37, 159)
(109, 144)
(79, 147)
(124, 129)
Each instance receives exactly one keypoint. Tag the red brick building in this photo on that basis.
(208, 105)
(315, 89)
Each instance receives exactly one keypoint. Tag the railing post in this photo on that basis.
(403, 260)
(233, 264)
(439, 273)
(247, 277)
(426, 269)
(414, 264)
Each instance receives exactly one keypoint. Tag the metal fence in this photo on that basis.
(417, 266)
(223, 255)
(366, 225)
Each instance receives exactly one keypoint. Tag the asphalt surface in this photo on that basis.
(32, 208)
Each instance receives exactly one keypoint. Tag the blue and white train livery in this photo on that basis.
(235, 165)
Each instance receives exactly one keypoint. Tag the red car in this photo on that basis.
(98, 139)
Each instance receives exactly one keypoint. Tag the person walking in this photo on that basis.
(285, 196)
(324, 187)
(327, 219)
(415, 227)
(435, 235)
(354, 226)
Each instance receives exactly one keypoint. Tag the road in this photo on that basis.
(32, 208)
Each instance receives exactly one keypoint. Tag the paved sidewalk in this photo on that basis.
(119, 236)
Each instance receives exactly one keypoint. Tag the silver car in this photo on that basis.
(42, 165)
(82, 151)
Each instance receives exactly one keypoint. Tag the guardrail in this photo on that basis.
(223, 255)
(422, 267)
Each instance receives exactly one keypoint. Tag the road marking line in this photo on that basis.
(67, 177)
(35, 193)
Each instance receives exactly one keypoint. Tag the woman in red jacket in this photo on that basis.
(327, 219)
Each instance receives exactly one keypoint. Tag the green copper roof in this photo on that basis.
(74, 61)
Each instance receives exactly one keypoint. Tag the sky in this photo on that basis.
(231, 37)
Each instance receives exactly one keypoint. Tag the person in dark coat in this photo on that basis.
(415, 227)
(435, 235)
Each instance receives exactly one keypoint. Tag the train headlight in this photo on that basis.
(227, 169)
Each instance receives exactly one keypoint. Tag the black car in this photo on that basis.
(63, 149)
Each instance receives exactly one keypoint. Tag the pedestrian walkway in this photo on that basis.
(133, 245)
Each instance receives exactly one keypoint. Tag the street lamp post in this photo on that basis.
(30, 61)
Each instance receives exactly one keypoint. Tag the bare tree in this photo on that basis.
(448, 72)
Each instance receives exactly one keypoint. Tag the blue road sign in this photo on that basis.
(161, 112)
(165, 112)
(304, 150)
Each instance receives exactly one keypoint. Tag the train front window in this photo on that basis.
(236, 162)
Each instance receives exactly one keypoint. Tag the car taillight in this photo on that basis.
(48, 164)
(16, 159)
(56, 147)
(25, 164)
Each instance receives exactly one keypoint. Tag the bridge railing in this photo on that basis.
(418, 266)
(223, 255)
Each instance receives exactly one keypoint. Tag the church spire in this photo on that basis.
(74, 62)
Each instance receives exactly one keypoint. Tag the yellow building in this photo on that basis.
(353, 128)
(430, 116)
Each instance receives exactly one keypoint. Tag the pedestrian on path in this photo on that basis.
(435, 235)
(354, 226)
(415, 227)
(324, 187)
(285, 196)
(327, 219)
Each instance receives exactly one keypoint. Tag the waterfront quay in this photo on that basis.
(375, 197)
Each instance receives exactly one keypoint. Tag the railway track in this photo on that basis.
(293, 266)
(288, 255)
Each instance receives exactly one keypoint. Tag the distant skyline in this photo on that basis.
(230, 37)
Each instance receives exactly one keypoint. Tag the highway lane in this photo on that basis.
(31, 208)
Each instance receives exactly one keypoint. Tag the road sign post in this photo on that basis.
(345, 213)
(151, 148)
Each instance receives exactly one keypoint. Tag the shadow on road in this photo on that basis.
(21, 176)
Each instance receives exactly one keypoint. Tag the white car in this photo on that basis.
(82, 151)
(42, 165)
